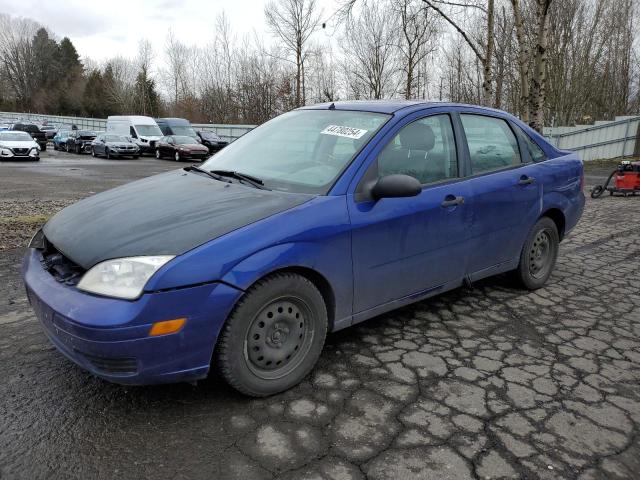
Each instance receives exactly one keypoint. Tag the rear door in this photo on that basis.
(408, 246)
(505, 189)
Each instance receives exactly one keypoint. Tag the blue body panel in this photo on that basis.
(372, 256)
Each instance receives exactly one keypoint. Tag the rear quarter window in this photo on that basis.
(535, 152)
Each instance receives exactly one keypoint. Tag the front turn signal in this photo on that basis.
(167, 327)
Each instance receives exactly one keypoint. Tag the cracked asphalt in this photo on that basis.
(489, 382)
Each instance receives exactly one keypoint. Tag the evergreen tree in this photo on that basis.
(147, 98)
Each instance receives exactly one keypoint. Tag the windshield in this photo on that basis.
(86, 133)
(183, 130)
(302, 151)
(149, 130)
(15, 137)
(183, 140)
(115, 138)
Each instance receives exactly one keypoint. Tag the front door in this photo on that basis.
(407, 246)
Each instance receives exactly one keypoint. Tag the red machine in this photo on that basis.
(626, 180)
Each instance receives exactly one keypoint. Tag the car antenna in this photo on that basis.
(332, 106)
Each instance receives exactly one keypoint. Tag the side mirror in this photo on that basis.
(395, 186)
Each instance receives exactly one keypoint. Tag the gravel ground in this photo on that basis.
(489, 382)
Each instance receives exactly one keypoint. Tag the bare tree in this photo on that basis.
(370, 60)
(294, 21)
(483, 50)
(419, 30)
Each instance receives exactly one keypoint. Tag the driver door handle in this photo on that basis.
(452, 201)
(526, 180)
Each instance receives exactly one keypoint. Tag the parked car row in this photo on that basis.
(126, 135)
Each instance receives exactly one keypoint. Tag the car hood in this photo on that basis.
(167, 214)
(120, 144)
(192, 146)
(18, 144)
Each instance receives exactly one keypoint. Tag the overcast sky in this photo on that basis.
(103, 29)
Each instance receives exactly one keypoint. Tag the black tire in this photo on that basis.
(77, 149)
(539, 254)
(136, 157)
(293, 315)
(107, 153)
(93, 152)
(55, 147)
(66, 147)
(176, 156)
(44, 147)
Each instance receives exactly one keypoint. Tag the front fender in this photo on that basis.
(325, 260)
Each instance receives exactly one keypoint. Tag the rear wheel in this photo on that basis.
(539, 254)
(78, 150)
(55, 146)
(273, 337)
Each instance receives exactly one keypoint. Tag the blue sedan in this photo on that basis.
(317, 220)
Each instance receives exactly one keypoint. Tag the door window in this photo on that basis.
(424, 149)
(492, 144)
(132, 133)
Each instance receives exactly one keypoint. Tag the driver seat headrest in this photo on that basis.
(417, 136)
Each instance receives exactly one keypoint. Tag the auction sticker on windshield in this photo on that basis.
(341, 131)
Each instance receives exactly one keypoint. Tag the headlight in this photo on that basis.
(122, 277)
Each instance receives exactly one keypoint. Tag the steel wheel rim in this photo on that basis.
(279, 337)
(540, 254)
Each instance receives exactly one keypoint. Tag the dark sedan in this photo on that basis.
(180, 147)
(212, 141)
(114, 146)
(79, 141)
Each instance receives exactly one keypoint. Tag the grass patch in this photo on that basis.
(26, 219)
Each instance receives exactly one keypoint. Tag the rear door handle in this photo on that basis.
(452, 201)
(526, 180)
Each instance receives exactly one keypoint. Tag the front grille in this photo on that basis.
(60, 267)
(115, 366)
(20, 151)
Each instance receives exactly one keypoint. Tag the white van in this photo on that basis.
(144, 131)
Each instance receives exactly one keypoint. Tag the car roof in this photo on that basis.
(173, 121)
(390, 106)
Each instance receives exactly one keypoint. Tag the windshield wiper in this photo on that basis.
(255, 181)
(195, 168)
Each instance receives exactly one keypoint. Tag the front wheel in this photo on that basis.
(107, 154)
(539, 254)
(158, 156)
(177, 157)
(78, 149)
(66, 147)
(93, 152)
(273, 337)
